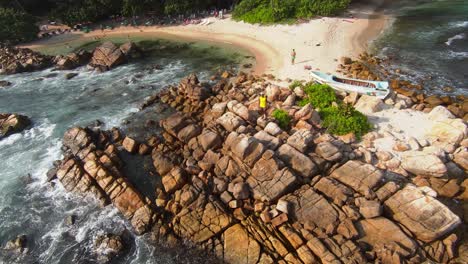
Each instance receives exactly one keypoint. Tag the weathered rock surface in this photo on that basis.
(427, 218)
(328, 151)
(361, 177)
(201, 220)
(107, 56)
(268, 181)
(420, 163)
(310, 208)
(16, 60)
(12, 123)
(382, 233)
(89, 169)
(297, 161)
(108, 246)
(239, 247)
(451, 131)
(236, 185)
(72, 60)
(301, 140)
(369, 104)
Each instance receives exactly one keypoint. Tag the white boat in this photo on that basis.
(372, 88)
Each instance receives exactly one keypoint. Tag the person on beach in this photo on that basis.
(293, 56)
(263, 104)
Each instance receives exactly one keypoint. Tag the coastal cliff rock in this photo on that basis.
(16, 60)
(92, 166)
(12, 123)
(238, 186)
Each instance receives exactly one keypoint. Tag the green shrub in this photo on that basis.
(318, 95)
(344, 119)
(273, 11)
(295, 84)
(282, 117)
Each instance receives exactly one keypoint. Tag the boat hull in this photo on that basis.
(380, 89)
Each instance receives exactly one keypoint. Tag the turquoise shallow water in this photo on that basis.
(29, 205)
(429, 38)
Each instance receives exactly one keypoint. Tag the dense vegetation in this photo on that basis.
(282, 117)
(318, 95)
(273, 11)
(20, 13)
(339, 118)
(16, 25)
(344, 119)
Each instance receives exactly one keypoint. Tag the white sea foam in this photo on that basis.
(459, 24)
(456, 37)
(458, 55)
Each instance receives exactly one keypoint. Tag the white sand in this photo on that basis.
(272, 45)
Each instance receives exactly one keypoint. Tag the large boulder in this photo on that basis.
(420, 163)
(440, 113)
(311, 208)
(461, 158)
(240, 110)
(268, 181)
(335, 191)
(301, 140)
(201, 220)
(107, 56)
(12, 123)
(426, 217)
(297, 161)
(451, 131)
(369, 104)
(328, 151)
(239, 247)
(230, 121)
(131, 50)
(359, 176)
(382, 233)
(108, 246)
(267, 140)
(209, 139)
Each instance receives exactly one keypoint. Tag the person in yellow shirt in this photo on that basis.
(263, 104)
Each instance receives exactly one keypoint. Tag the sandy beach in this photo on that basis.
(319, 43)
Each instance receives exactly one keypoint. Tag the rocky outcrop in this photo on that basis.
(16, 60)
(72, 60)
(107, 56)
(12, 123)
(92, 166)
(238, 186)
(108, 246)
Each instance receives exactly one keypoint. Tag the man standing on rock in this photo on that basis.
(263, 104)
(293, 56)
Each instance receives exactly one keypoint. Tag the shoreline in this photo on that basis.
(319, 44)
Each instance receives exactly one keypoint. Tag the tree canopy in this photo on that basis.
(16, 25)
(273, 11)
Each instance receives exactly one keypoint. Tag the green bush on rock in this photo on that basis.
(295, 84)
(318, 95)
(344, 119)
(282, 117)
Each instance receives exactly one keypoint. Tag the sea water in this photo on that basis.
(428, 42)
(31, 206)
